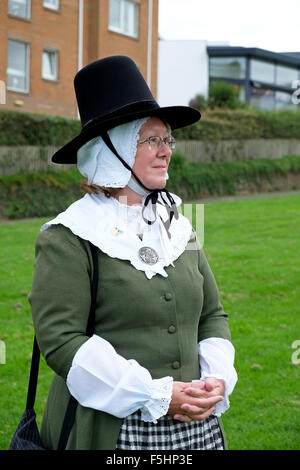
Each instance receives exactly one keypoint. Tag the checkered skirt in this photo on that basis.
(169, 434)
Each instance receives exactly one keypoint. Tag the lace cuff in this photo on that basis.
(221, 406)
(158, 404)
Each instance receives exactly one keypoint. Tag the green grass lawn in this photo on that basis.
(253, 247)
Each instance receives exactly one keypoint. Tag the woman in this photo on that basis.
(159, 325)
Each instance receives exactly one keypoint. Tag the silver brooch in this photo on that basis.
(148, 255)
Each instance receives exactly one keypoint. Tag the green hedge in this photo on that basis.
(243, 124)
(39, 195)
(17, 128)
(193, 180)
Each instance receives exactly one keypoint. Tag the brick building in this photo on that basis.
(45, 42)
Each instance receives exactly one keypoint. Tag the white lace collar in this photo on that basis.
(120, 232)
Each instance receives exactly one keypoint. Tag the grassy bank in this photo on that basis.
(43, 194)
(19, 128)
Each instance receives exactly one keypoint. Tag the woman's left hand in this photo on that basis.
(212, 386)
(215, 385)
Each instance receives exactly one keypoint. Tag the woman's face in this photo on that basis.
(151, 165)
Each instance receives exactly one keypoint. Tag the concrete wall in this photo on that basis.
(182, 71)
(232, 150)
(28, 159)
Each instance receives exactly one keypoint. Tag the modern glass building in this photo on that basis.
(265, 79)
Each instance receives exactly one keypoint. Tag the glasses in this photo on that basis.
(155, 142)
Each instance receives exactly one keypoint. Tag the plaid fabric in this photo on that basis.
(169, 434)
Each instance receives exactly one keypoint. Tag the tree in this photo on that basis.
(198, 102)
(223, 95)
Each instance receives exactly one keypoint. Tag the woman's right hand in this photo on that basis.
(187, 408)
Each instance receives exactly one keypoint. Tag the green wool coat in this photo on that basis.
(157, 322)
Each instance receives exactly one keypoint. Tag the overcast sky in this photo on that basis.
(268, 24)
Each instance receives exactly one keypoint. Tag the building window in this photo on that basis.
(262, 71)
(227, 67)
(286, 75)
(17, 66)
(262, 99)
(241, 92)
(123, 17)
(19, 8)
(284, 101)
(53, 4)
(49, 64)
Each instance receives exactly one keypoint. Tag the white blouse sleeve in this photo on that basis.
(216, 356)
(101, 379)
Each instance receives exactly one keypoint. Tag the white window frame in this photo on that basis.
(27, 69)
(49, 4)
(27, 3)
(122, 29)
(44, 75)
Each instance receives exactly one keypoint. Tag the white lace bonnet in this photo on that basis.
(100, 166)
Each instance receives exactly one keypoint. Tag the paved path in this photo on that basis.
(249, 196)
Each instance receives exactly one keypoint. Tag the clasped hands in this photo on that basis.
(195, 401)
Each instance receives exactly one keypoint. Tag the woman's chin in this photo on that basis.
(158, 183)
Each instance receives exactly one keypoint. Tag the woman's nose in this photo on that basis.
(164, 150)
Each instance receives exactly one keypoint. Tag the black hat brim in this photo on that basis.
(175, 116)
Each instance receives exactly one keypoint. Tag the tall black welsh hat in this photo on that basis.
(110, 92)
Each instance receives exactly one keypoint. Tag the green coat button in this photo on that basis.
(172, 329)
(168, 296)
(175, 364)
